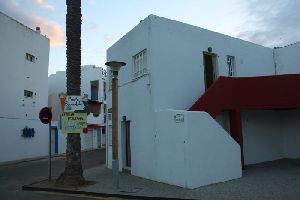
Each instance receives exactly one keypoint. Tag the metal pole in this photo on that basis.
(49, 159)
(115, 161)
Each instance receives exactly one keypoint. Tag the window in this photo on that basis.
(28, 93)
(104, 90)
(110, 135)
(94, 90)
(109, 110)
(104, 73)
(105, 114)
(231, 66)
(30, 57)
(139, 64)
(109, 80)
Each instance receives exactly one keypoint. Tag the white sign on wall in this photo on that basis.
(73, 103)
(179, 118)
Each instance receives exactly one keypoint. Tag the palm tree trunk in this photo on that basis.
(73, 174)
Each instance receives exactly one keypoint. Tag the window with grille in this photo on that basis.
(30, 57)
(231, 66)
(139, 64)
(28, 93)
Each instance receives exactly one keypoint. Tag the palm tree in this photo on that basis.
(73, 173)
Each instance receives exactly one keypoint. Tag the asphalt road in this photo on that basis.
(14, 176)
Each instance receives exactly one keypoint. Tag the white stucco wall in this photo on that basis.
(15, 147)
(195, 152)
(287, 59)
(175, 80)
(290, 130)
(223, 120)
(135, 104)
(263, 138)
(56, 85)
(270, 135)
(16, 75)
(135, 100)
(177, 60)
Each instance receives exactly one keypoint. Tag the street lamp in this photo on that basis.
(115, 67)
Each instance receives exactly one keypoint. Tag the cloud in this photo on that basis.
(93, 26)
(44, 5)
(51, 29)
(108, 37)
(91, 1)
(271, 22)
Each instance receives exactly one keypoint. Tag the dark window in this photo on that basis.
(28, 93)
(231, 65)
(94, 90)
(30, 57)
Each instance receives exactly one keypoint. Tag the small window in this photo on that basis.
(110, 135)
(104, 73)
(109, 79)
(30, 57)
(28, 93)
(139, 64)
(109, 113)
(104, 90)
(231, 66)
(105, 115)
(94, 90)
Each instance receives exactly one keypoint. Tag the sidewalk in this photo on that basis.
(271, 180)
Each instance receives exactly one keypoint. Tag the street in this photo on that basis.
(14, 176)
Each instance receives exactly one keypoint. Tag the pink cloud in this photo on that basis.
(44, 4)
(53, 30)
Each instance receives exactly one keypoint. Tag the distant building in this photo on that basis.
(24, 58)
(93, 87)
(188, 116)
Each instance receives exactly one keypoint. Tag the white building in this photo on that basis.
(24, 62)
(92, 85)
(170, 65)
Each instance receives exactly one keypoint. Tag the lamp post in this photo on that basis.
(115, 67)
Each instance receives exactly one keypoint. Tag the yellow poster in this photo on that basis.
(72, 122)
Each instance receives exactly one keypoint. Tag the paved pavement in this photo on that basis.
(271, 180)
(14, 175)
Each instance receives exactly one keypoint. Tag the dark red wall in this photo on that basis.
(263, 92)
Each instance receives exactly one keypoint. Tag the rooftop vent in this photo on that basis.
(38, 29)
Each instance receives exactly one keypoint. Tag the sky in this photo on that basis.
(266, 22)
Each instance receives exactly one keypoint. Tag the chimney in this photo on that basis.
(38, 29)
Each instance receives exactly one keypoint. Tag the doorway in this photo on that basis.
(89, 140)
(126, 148)
(210, 68)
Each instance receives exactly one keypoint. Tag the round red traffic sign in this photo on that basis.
(45, 115)
(85, 130)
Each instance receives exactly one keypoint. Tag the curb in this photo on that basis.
(94, 194)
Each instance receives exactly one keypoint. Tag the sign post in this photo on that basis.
(49, 156)
(45, 116)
